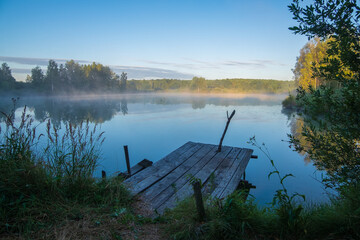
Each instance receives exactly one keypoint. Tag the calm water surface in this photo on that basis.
(154, 125)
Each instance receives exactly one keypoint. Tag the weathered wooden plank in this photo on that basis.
(177, 173)
(222, 171)
(233, 183)
(203, 175)
(140, 166)
(223, 178)
(163, 196)
(164, 170)
(151, 170)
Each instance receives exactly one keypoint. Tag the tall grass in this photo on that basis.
(284, 218)
(40, 187)
(73, 157)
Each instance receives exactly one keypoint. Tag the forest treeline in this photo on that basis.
(74, 77)
(198, 84)
(63, 78)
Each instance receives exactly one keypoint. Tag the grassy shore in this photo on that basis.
(50, 193)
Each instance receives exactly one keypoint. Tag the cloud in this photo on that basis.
(239, 63)
(133, 72)
(159, 69)
(150, 73)
(21, 70)
(36, 61)
(197, 64)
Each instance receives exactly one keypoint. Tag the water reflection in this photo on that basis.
(99, 109)
(153, 125)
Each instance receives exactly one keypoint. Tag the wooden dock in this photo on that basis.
(167, 181)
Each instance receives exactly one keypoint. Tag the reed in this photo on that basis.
(42, 187)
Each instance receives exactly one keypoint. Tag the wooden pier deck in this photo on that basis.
(167, 181)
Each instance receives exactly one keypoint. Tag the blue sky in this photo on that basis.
(152, 39)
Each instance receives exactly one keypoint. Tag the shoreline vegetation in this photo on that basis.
(73, 78)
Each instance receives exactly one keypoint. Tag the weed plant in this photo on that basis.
(42, 188)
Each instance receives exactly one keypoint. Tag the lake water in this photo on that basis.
(153, 125)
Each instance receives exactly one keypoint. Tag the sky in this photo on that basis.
(179, 39)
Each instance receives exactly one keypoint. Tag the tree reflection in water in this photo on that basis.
(100, 109)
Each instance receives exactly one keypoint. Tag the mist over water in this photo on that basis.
(153, 125)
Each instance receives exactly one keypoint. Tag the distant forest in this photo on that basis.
(73, 77)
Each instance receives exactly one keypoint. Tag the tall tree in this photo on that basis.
(37, 77)
(312, 55)
(75, 75)
(332, 116)
(123, 81)
(7, 81)
(52, 76)
(198, 83)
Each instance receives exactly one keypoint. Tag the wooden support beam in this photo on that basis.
(199, 201)
(127, 159)
(226, 127)
(254, 156)
(103, 174)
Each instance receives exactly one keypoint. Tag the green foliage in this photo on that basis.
(331, 114)
(311, 56)
(213, 86)
(7, 81)
(37, 78)
(198, 83)
(39, 189)
(289, 212)
(337, 20)
(289, 102)
(74, 77)
(123, 81)
(232, 218)
(338, 219)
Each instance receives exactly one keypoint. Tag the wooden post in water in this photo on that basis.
(103, 174)
(226, 127)
(127, 159)
(199, 200)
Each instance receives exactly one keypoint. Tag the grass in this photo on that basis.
(43, 190)
(236, 218)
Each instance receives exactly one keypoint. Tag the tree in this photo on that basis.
(198, 83)
(312, 55)
(123, 81)
(331, 115)
(75, 75)
(37, 77)
(337, 20)
(7, 81)
(52, 76)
